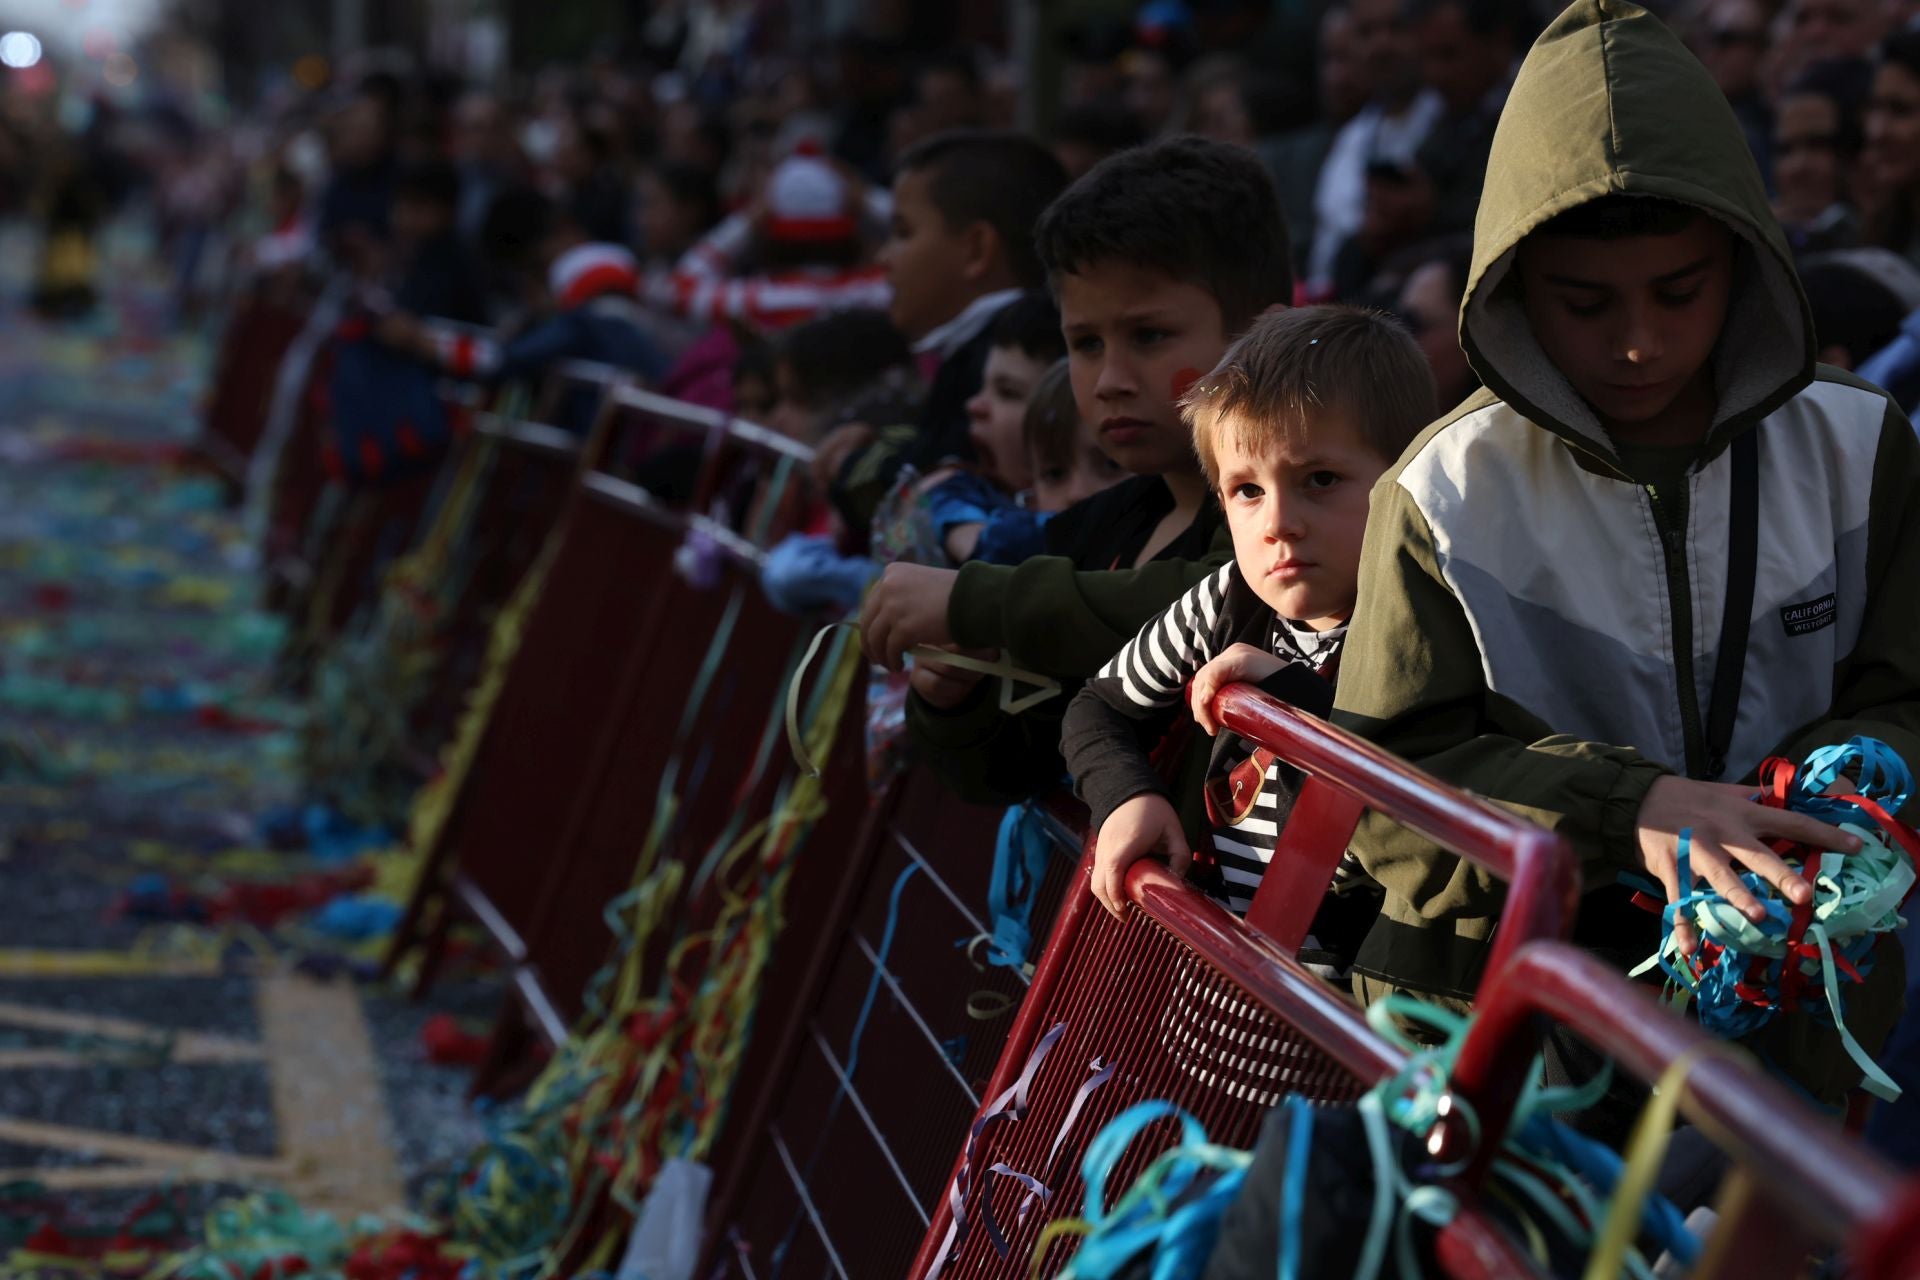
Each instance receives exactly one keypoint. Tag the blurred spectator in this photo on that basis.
(1217, 105)
(678, 203)
(852, 366)
(948, 94)
(960, 249)
(873, 85)
(1386, 134)
(1085, 135)
(1856, 310)
(1469, 51)
(1732, 42)
(1892, 158)
(1092, 73)
(1826, 30)
(1063, 450)
(437, 277)
(585, 167)
(1296, 157)
(1152, 87)
(1429, 304)
(488, 159)
(1816, 140)
(797, 252)
(354, 207)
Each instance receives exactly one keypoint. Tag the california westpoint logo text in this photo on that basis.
(1809, 616)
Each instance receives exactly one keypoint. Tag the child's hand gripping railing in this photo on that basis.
(1184, 1002)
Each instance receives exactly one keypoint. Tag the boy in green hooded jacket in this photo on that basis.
(1548, 568)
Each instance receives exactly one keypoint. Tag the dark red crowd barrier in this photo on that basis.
(257, 337)
(894, 1052)
(1809, 1187)
(1189, 1004)
(527, 470)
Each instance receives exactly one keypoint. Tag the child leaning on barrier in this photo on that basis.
(1661, 546)
(1292, 427)
(1159, 257)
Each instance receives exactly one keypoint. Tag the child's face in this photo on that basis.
(996, 414)
(1631, 323)
(1058, 484)
(788, 413)
(924, 259)
(1297, 510)
(1136, 340)
(753, 397)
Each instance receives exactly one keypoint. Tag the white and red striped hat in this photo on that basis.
(589, 271)
(807, 200)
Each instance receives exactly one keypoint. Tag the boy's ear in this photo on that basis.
(981, 250)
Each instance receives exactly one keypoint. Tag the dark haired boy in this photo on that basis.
(1659, 547)
(959, 248)
(1159, 257)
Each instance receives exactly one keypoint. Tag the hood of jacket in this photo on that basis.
(1609, 102)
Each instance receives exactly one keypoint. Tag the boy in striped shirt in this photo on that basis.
(1292, 428)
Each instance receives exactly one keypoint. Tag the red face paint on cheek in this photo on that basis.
(1183, 380)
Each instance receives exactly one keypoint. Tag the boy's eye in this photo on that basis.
(1323, 480)
(1587, 307)
(1086, 346)
(1680, 298)
(1248, 491)
(1148, 337)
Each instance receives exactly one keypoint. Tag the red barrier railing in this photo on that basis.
(1814, 1187)
(1190, 1004)
(257, 337)
(892, 1056)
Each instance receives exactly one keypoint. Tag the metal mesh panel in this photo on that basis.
(1133, 996)
(857, 1154)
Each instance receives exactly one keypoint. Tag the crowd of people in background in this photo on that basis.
(988, 334)
(748, 184)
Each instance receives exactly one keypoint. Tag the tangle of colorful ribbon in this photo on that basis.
(1745, 973)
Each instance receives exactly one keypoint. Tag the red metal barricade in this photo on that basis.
(257, 337)
(495, 849)
(529, 471)
(891, 1060)
(1810, 1187)
(1186, 1003)
(557, 804)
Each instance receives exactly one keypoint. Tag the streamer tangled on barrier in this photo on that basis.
(1553, 1184)
(646, 1077)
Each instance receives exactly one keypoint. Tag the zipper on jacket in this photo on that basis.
(1673, 543)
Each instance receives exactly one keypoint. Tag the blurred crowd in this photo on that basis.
(743, 177)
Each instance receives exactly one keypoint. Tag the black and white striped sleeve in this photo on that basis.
(1114, 722)
(1153, 670)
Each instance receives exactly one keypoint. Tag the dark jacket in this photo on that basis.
(939, 433)
(1062, 616)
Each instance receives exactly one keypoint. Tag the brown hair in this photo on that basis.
(1293, 366)
(1051, 427)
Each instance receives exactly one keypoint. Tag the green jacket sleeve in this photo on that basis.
(1411, 679)
(984, 756)
(1877, 686)
(1064, 622)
